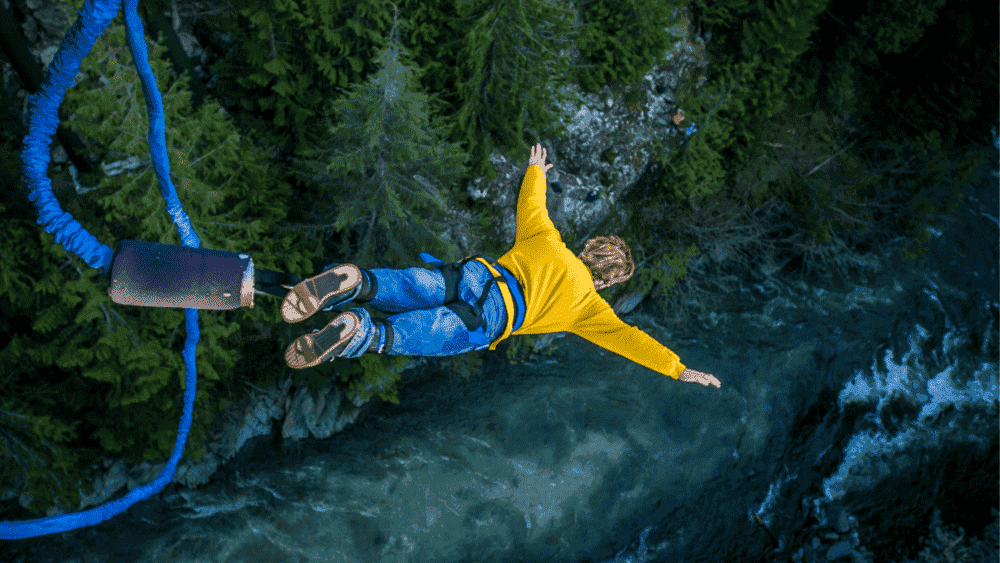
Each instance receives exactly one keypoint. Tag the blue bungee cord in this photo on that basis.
(94, 17)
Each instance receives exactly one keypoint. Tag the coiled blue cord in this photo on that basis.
(94, 17)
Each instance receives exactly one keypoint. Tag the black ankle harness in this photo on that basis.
(368, 292)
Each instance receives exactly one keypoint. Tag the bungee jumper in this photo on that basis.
(539, 286)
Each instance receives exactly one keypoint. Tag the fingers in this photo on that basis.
(707, 379)
(537, 152)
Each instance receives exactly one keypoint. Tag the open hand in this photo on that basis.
(538, 157)
(705, 379)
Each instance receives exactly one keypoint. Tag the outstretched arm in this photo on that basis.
(705, 379)
(532, 212)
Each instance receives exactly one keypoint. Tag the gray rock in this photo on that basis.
(593, 126)
(628, 302)
(59, 155)
(55, 19)
(190, 45)
(141, 474)
(107, 485)
(46, 55)
(839, 550)
(321, 417)
(253, 416)
(594, 123)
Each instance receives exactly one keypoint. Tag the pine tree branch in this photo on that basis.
(69, 260)
(210, 153)
(368, 235)
(106, 318)
(172, 334)
(10, 449)
(831, 157)
(135, 340)
(846, 216)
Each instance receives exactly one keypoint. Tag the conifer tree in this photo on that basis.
(381, 162)
(807, 66)
(918, 80)
(501, 67)
(378, 173)
(289, 58)
(509, 77)
(622, 40)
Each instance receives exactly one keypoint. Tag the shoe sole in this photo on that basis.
(310, 350)
(311, 295)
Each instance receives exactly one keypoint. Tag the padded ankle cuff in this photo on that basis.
(382, 343)
(369, 287)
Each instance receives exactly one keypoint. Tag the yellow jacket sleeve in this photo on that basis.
(532, 215)
(629, 342)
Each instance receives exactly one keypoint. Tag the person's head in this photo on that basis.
(609, 260)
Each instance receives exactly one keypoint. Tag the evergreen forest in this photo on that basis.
(325, 119)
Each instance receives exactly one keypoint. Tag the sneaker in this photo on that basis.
(337, 285)
(310, 350)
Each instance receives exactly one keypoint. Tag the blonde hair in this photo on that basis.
(609, 260)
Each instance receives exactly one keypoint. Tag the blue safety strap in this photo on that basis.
(94, 17)
(472, 316)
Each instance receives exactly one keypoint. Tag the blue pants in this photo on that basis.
(422, 325)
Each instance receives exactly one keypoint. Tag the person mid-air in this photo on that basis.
(539, 286)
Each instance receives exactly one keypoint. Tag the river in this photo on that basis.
(849, 415)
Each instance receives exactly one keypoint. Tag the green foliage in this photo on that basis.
(765, 39)
(801, 140)
(38, 433)
(817, 66)
(895, 28)
(954, 95)
(381, 143)
(662, 273)
(38, 447)
(463, 365)
(474, 54)
(748, 81)
(113, 374)
(698, 170)
(508, 76)
(919, 120)
(290, 57)
(924, 180)
(378, 375)
(622, 40)
(660, 258)
(520, 349)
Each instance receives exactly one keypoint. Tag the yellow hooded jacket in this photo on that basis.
(559, 293)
